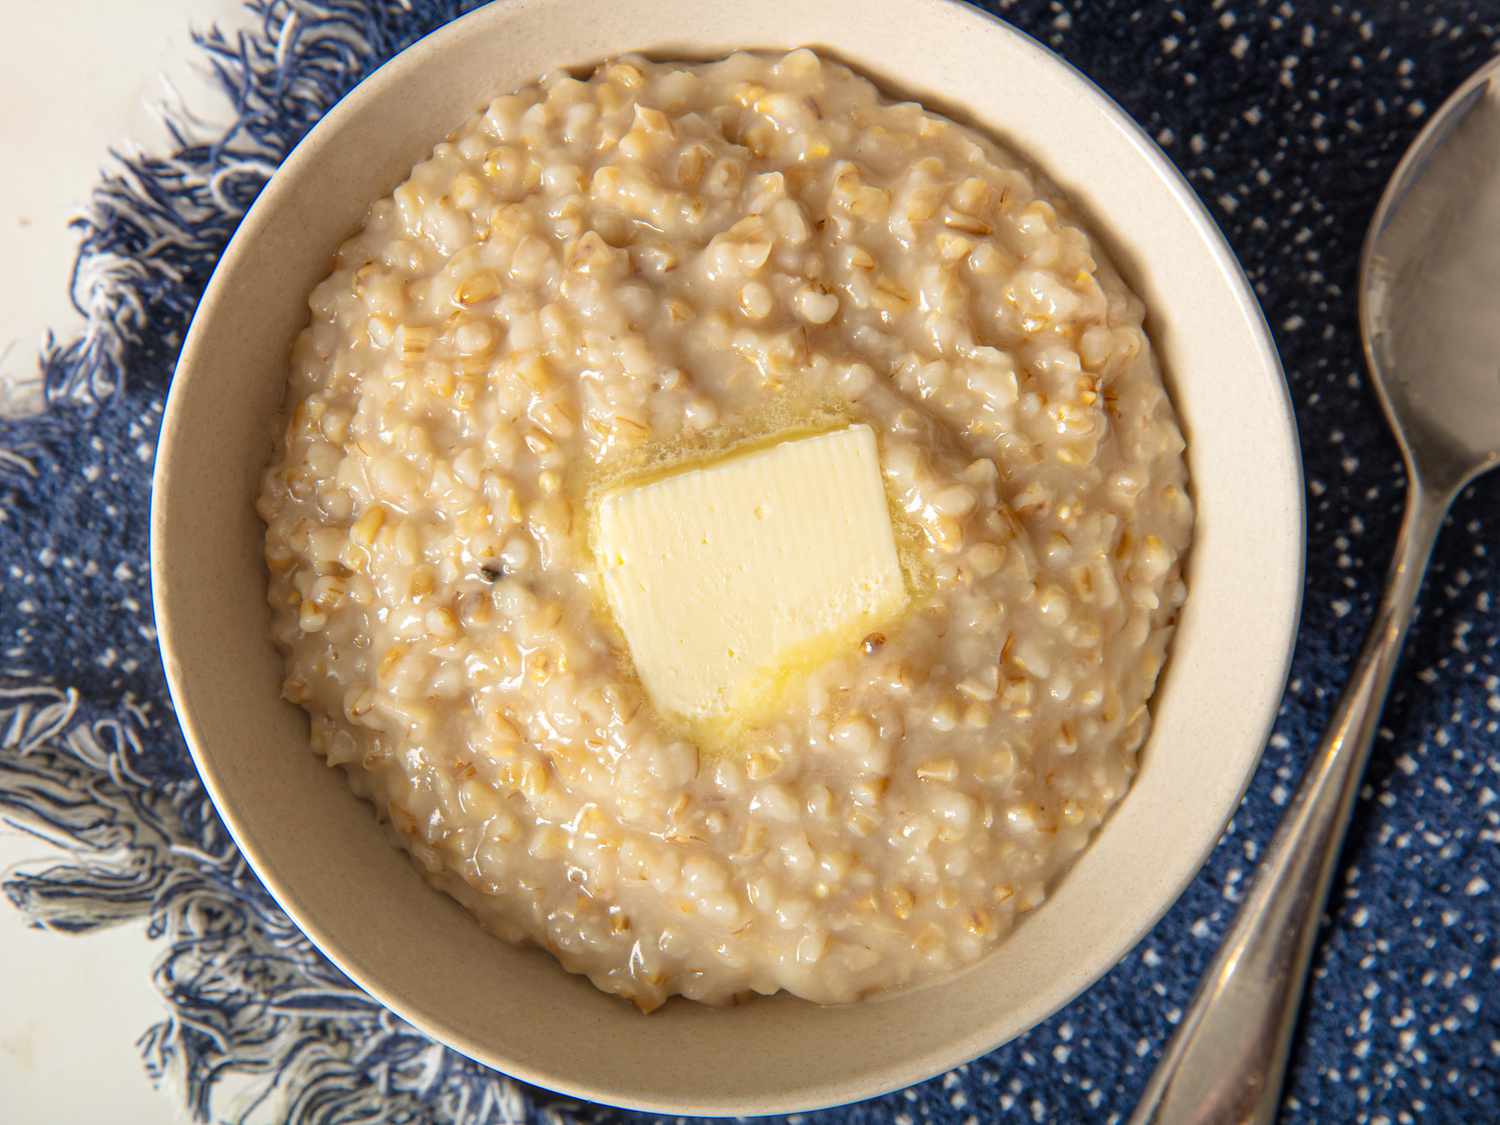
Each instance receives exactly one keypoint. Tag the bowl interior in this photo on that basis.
(317, 847)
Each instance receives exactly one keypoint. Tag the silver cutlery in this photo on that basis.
(1430, 317)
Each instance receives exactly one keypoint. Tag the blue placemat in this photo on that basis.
(1287, 119)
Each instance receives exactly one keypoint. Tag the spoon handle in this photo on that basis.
(1226, 1061)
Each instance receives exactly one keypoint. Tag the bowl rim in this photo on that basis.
(834, 1091)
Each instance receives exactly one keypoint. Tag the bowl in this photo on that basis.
(317, 847)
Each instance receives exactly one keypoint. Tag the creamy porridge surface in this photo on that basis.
(593, 278)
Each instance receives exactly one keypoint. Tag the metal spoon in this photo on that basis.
(1431, 329)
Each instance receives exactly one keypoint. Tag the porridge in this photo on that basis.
(610, 316)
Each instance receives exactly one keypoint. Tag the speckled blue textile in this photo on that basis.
(1287, 118)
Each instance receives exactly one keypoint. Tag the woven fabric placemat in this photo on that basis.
(1287, 119)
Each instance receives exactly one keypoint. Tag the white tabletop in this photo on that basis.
(80, 77)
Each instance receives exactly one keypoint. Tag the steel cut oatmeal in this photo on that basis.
(598, 283)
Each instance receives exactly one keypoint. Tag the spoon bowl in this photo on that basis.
(1431, 332)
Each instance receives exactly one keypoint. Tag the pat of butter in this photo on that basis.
(727, 577)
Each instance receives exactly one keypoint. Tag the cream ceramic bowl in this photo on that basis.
(317, 847)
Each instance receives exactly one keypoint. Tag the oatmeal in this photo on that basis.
(594, 281)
